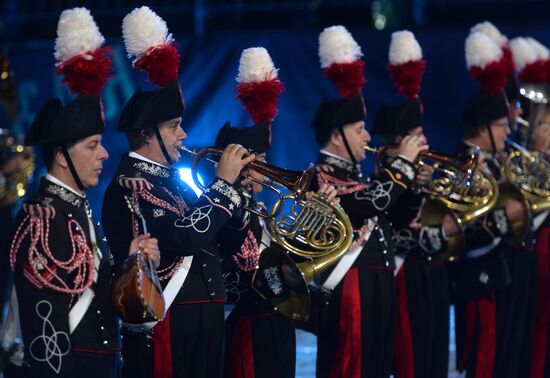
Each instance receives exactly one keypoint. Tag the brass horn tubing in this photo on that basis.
(435, 156)
(319, 264)
(296, 181)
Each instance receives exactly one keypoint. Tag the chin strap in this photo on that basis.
(162, 147)
(71, 167)
(348, 149)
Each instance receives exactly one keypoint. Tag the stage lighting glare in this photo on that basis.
(185, 176)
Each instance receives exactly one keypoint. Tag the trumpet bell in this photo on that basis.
(314, 231)
(279, 280)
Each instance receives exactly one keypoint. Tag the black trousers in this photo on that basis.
(378, 323)
(425, 299)
(196, 344)
(269, 336)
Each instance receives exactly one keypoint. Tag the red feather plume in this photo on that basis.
(508, 59)
(407, 77)
(535, 72)
(161, 64)
(87, 73)
(260, 98)
(348, 78)
(492, 78)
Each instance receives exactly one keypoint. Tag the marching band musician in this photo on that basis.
(357, 326)
(260, 342)
(61, 263)
(540, 364)
(530, 57)
(422, 336)
(495, 283)
(189, 341)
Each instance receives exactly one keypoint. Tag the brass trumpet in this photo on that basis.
(296, 181)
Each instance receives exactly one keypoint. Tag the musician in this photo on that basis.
(540, 362)
(259, 341)
(422, 337)
(357, 326)
(189, 341)
(61, 263)
(495, 282)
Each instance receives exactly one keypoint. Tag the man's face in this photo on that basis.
(500, 129)
(172, 135)
(514, 112)
(87, 156)
(357, 137)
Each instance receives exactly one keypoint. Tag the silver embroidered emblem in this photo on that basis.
(152, 169)
(273, 279)
(158, 213)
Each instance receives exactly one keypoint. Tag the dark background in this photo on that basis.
(212, 34)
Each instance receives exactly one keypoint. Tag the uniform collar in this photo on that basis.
(343, 168)
(54, 186)
(149, 167)
(336, 161)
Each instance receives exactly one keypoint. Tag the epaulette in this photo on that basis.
(41, 210)
(135, 184)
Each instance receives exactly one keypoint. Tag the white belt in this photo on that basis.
(347, 261)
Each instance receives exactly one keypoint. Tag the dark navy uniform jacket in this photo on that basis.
(53, 259)
(183, 224)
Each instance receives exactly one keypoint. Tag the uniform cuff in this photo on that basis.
(221, 193)
(401, 170)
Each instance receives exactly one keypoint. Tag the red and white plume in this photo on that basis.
(530, 68)
(150, 46)
(259, 86)
(486, 63)
(81, 59)
(341, 60)
(543, 55)
(500, 39)
(406, 65)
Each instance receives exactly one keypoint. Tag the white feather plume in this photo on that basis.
(481, 50)
(491, 31)
(77, 33)
(542, 51)
(404, 48)
(522, 52)
(255, 65)
(142, 29)
(336, 45)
